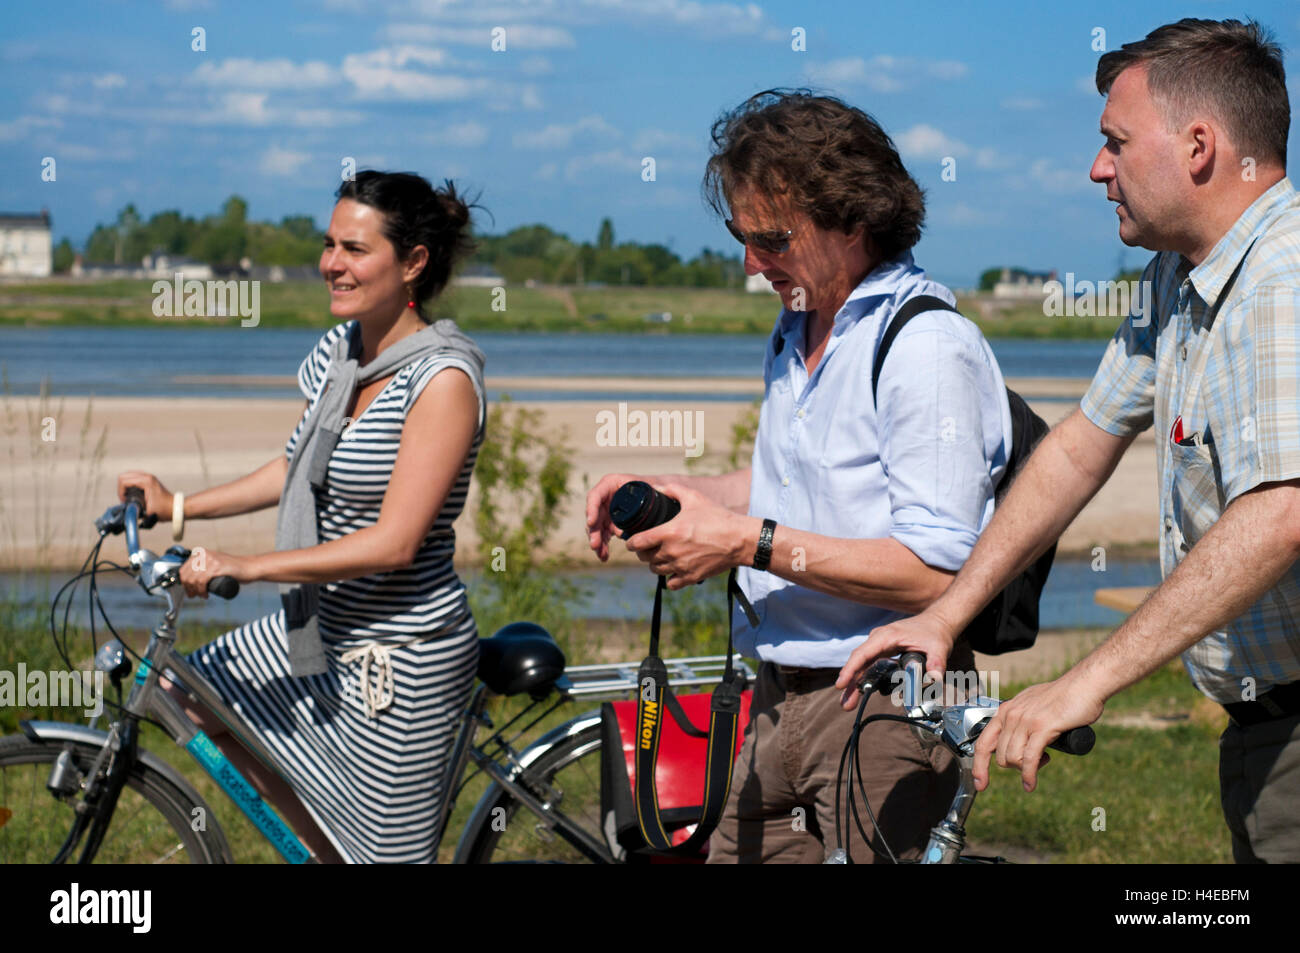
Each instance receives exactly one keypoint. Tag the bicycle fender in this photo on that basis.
(63, 731)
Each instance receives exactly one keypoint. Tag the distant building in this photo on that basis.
(1016, 283)
(157, 264)
(25, 246)
(756, 283)
(478, 275)
(278, 273)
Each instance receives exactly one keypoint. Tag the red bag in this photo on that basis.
(679, 775)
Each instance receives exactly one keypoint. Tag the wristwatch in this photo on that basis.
(763, 555)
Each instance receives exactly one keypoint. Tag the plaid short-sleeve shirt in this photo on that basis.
(1218, 375)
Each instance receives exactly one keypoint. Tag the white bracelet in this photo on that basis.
(178, 516)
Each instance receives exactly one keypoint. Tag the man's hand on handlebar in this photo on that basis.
(1026, 724)
(925, 633)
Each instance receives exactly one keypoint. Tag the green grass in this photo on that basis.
(1159, 789)
(128, 302)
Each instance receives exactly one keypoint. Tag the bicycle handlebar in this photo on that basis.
(129, 517)
(909, 670)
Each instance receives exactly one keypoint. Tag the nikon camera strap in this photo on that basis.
(724, 725)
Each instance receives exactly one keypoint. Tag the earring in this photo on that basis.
(410, 298)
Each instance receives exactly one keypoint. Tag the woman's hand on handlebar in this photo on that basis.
(157, 498)
(206, 564)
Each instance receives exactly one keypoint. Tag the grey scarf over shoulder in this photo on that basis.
(308, 468)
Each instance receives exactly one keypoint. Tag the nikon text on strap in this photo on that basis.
(653, 695)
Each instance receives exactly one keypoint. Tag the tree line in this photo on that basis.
(528, 253)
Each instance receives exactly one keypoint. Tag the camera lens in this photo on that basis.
(637, 506)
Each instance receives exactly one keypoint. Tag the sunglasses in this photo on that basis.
(774, 243)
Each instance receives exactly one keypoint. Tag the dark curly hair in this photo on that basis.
(1229, 68)
(834, 161)
(415, 213)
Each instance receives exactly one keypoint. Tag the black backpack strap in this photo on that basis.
(654, 697)
(910, 309)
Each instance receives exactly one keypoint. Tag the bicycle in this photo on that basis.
(118, 802)
(955, 726)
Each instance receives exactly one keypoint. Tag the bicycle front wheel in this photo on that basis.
(154, 821)
(568, 773)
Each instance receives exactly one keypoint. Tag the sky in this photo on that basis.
(554, 124)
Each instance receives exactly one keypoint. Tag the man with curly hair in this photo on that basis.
(858, 508)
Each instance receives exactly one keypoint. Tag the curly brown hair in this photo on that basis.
(832, 160)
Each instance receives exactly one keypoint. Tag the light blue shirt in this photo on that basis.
(919, 464)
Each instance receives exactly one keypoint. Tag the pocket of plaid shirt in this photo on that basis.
(1197, 496)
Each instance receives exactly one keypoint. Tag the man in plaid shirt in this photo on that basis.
(1196, 125)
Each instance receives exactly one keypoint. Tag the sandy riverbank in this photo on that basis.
(50, 492)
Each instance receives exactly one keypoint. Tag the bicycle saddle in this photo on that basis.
(520, 657)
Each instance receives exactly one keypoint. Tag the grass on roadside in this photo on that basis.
(1142, 795)
(623, 309)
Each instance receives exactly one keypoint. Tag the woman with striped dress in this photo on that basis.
(356, 685)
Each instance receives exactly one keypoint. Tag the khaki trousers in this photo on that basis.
(781, 808)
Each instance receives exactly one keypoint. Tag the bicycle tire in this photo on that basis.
(571, 767)
(152, 823)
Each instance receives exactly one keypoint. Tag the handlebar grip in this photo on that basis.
(907, 657)
(227, 587)
(133, 494)
(1075, 741)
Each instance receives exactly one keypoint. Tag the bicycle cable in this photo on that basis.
(850, 755)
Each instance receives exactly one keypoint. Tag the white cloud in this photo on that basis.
(712, 20)
(22, 127)
(561, 135)
(963, 215)
(109, 81)
(1050, 177)
(277, 161)
(884, 74)
(244, 108)
(577, 168)
(1022, 103)
(927, 142)
(661, 140)
(84, 153)
(518, 36)
(1087, 84)
(535, 66)
(990, 158)
(382, 74)
(266, 74)
(463, 134)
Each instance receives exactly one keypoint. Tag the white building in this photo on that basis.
(1015, 283)
(478, 275)
(25, 246)
(756, 283)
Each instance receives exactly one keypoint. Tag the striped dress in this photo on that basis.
(368, 769)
